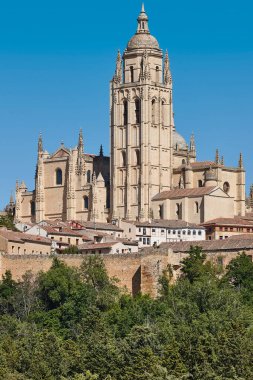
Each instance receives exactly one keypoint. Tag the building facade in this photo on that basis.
(149, 158)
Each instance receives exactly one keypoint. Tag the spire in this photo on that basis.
(118, 72)
(80, 140)
(222, 160)
(240, 164)
(40, 144)
(101, 153)
(11, 199)
(80, 165)
(143, 21)
(166, 71)
(192, 143)
(217, 157)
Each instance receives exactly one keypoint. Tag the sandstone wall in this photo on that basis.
(136, 272)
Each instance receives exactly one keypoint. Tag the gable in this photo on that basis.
(60, 153)
(218, 192)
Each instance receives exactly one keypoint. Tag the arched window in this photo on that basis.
(123, 158)
(88, 176)
(161, 211)
(196, 207)
(58, 177)
(183, 162)
(131, 74)
(32, 208)
(138, 111)
(163, 112)
(157, 74)
(179, 210)
(86, 202)
(200, 183)
(125, 112)
(138, 160)
(153, 111)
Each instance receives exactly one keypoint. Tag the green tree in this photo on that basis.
(194, 266)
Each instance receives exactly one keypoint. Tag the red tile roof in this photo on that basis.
(180, 193)
(21, 237)
(229, 222)
(211, 245)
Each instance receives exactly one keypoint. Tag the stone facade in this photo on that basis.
(148, 156)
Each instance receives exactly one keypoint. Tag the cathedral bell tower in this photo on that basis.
(141, 125)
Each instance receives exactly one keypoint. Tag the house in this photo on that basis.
(223, 228)
(20, 243)
(113, 247)
(161, 231)
(196, 205)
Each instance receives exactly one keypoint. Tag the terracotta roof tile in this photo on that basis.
(85, 247)
(211, 245)
(229, 222)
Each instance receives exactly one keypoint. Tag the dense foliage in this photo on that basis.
(78, 325)
(7, 221)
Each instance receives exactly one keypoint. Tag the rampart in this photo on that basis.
(136, 272)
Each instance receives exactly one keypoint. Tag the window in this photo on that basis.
(24, 251)
(178, 210)
(226, 187)
(199, 232)
(161, 211)
(137, 111)
(184, 232)
(148, 241)
(68, 240)
(88, 176)
(174, 232)
(231, 229)
(144, 241)
(200, 183)
(123, 156)
(163, 112)
(153, 229)
(125, 112)
(86, 202)
(32, 208)
(194, 232)
(137, 153)
(60, 238)
(12, 249)
(18, 249)
(157, 74)
(139, 229)
(189, 232)
(153, 111)
(179, 232)
(196, 207)
(144, 231)
(77, 241)
(168, 231)
(58, 177)
(129, 230)
(140, 239)
(131, 74)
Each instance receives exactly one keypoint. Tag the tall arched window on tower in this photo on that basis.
(88, 176)
(86, 202)
(137, 160)
(157, 73)
(58, 175)
(131, 74)
(163, 112)
(153, 111)
(125, 112)
(138, 111)
(123, 157)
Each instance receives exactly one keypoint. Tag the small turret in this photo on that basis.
(167, 79)
(118, 72)
(192, 144)
(217, 157)
(101, 152)
(40, 144)
(240, 163)
(80, 165)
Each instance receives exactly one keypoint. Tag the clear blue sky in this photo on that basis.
(57, 58)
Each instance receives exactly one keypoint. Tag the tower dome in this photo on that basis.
(179, 142)
(142, 38)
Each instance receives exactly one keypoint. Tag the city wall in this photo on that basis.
(136, 272)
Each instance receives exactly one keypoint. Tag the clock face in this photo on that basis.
(226, 187)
